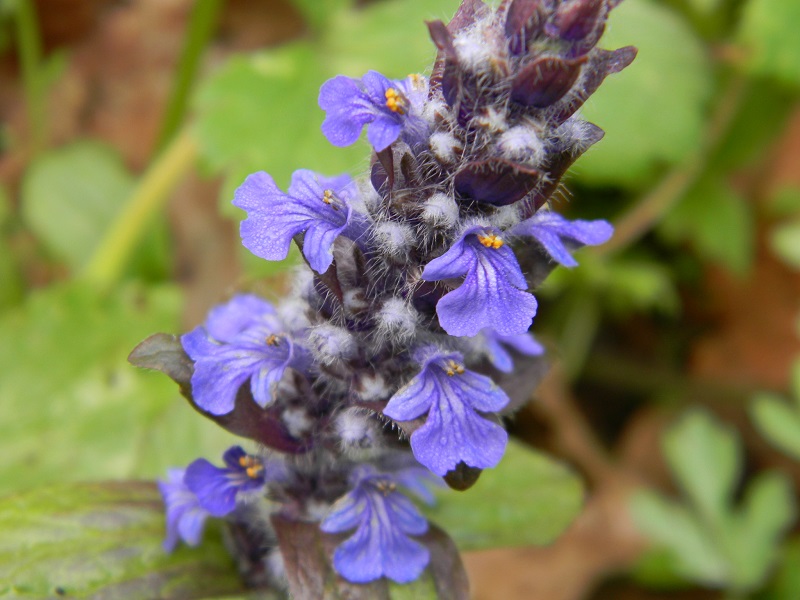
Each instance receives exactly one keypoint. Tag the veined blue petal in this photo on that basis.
(185, 517)
(551, 229)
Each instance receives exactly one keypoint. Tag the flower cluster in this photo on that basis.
(417, 293)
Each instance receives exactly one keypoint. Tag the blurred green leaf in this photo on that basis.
(784, 239)
(763, 110)
(712, 541)
(103, 540)
(717, 221)
(705, 458)
(785, 202)
(768, 30)
(778, 422)
(318, 13)
(672, 526)
(526, 500)
(72, 406)
(752, 539)
(388, 36)
(786, 584)
(70, 195)
(654, 111)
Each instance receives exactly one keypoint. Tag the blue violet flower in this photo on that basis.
(387, 107)
(185, 517)
(384, 519)
(492, 293)
(248, 348)
(451, 396)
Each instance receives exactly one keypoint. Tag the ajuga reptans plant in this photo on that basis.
(390, 365)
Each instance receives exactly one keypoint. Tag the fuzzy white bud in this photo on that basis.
(445, 147)
(394, 238)
(397, 319)
(330, 344)
(440, 209)
(298, 422)
(522, 142)
(359, 434)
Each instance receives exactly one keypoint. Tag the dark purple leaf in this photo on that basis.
(164, 352)
(496, 181)
(545, 81)
(523, 22)
(576, 19)
(446, 567)
(601, 64)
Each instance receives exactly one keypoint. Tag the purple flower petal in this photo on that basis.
(491, 295)
(384, 519)
(227, 320)
(494, 346)
(315, 205)
(453, 431)
(550, 229)
(217, 488)
(387, 107)
(185, 517)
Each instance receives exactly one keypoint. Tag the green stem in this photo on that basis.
(115, 249)
(199, 30)
(29, 46)
(652, 207)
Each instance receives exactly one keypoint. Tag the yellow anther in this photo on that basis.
(329, 199)
(386, 487)
(491, 241)
(453, 368)
(396, 102)
(417, 80)
(254, 471)
(273, 340)
(251, 465)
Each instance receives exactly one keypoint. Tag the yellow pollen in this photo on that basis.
(453, 368)
(396, 102)
(254, 471)
(491, 241)
(329, 199)
(417, 80)
(386, 487)
(273, 340)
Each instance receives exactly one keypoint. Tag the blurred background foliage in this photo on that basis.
(126, 126)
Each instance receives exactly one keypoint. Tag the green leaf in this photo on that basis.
(388, 36)
(527, 499)
(778, 422)
(786, 584)
(768, 30)
(705, 458)
(103, 540)
(319, 13)
(717, 221)
(785, 202)
(670, 525)
(70, 195)
(73, 408)
(752, 539)
(784, 240)
(653, 112)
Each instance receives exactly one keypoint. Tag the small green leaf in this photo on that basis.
(785, 202)
(654, 111)
(73, 408)
(784, 240)
(319, 14)
(527, 499)
(778, 422)
(768, 30)
(717, 221)
(753, 536)
(786, 584)
(103, 540)
(71, 195)
(670, 525)
(705, 458)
